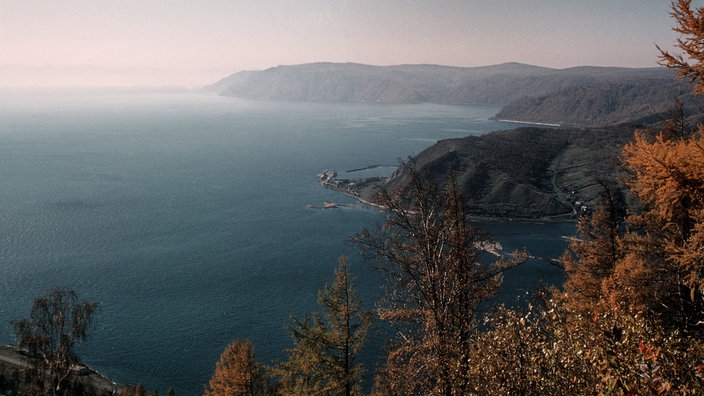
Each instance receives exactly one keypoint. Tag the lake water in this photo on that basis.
(186, 215)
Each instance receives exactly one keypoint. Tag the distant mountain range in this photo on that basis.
(530, 172)
(583, 96)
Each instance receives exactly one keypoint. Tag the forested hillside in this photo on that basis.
(526, 172)
(600, 103)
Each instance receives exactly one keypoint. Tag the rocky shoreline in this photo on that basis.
(361, 189)
(364, 189)
(14, 364)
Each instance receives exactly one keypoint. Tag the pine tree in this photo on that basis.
(323, 360)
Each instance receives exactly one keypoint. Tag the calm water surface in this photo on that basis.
(186, 216)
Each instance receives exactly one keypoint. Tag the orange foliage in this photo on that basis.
(668, 177)
(236, 373)
(690, 24)
(591, 258)
(550, 349)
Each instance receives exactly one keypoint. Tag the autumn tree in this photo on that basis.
(667, 245)
(551, 349)
(690, 25)
(437, 283)
(664, 264)
(57, 323)
(324, 358)
(630, 318)
(592, 255)
(658, 265)
(237, 373)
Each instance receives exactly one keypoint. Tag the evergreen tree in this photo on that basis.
(323, 360)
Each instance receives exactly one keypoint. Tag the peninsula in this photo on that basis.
(523, 173)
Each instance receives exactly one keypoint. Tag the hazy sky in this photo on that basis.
(195, 42)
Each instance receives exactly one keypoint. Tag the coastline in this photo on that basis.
(12, 360)
(530, 122)
(363, 190)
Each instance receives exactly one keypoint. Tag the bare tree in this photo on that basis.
(431, 256)
(57, 323)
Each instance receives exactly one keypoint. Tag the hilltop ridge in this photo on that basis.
(523, 173)
(528, 172)
(526, 92)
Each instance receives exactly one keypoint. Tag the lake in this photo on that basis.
(186, 216)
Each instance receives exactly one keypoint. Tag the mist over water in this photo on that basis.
(186, 216)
